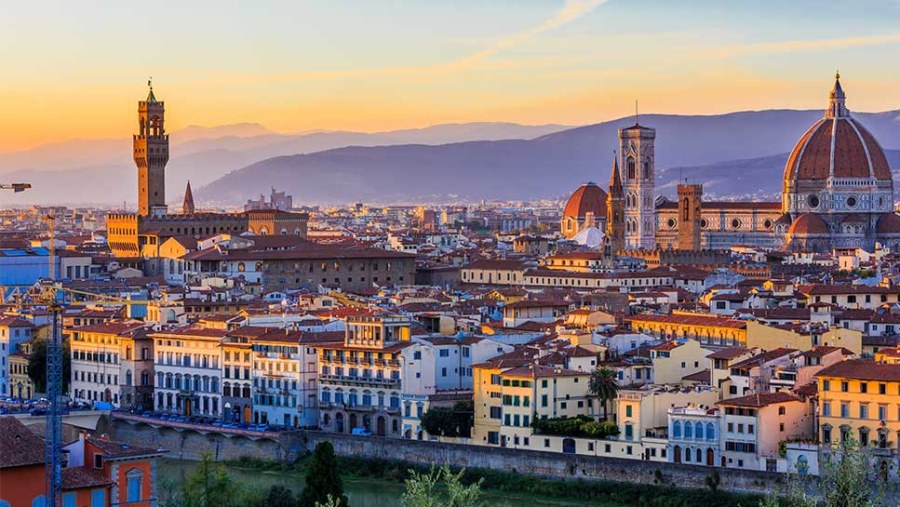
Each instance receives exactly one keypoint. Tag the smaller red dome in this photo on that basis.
(889, 224)
(588, 198)
(808, 224)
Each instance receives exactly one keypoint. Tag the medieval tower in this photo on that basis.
(151, 153)
(636, 156)
(615, 210)
(690, 199)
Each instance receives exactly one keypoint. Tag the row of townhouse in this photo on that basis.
(373, 375)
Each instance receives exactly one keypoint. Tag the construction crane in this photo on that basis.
(53, 444)
(15, 187)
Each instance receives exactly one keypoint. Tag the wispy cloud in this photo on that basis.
(797, 46)
(571, 11)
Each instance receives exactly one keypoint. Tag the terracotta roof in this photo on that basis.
(588, 198)
(889, 224)
(690, 320)
(20, 447)
(728, 353)
(701, 376)
(764, 357)
(808, 223)
(861, 369)
(83, 478)
(842, 143)
(759, 400)
(14, 322)
(113, 449)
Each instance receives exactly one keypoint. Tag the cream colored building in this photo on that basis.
(674, 360)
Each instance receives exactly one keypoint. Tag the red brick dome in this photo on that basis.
(807, 224)
(836, 145)
(588, 198)
(889, 224)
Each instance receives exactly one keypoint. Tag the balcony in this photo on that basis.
(362, 381)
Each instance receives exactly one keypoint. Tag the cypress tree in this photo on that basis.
(322, 479)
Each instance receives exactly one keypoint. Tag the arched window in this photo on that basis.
(685, 209)
(630, 168)
(710, 431)
(688, 430)
(39, 501)
(699, 433)
(676, 429)
(135, 481)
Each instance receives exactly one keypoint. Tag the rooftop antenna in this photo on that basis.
(636, 116)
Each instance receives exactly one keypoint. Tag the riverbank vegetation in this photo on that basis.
(664, 493)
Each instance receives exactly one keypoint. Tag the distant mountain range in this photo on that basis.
(102, 170)
(738, 155)
(735, 155)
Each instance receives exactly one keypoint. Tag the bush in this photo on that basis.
(450, 422)
(581, 426)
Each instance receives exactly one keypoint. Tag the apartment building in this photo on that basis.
(189, 370)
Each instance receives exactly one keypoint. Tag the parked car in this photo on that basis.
(361, 432)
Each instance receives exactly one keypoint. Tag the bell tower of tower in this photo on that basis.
(636, 158)
(151, 153)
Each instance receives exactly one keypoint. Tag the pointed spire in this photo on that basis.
(615, 180)
(836, 100)
(151, 98)
(188, 206)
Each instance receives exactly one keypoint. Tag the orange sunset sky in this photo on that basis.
(76, 70)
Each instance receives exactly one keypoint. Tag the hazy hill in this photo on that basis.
(203, 154)
(550, 165)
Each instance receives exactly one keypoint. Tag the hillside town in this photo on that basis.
(729, 335)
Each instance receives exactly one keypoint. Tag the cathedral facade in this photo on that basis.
(132, 235)
(837, 192)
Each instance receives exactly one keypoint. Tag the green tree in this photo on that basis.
(455, 422)
(209, 485)
(322, 479)
(37, 366)
(843, 482)
(604, 386)
(441, 488)
(278, 496)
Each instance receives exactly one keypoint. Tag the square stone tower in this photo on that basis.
(690, 202)
(151, 154)
(636, 158)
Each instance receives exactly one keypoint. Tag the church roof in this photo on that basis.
(588, 198)
(808, 224)
(836, 146)
(889, 224)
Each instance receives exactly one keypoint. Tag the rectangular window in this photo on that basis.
(627, 410)
(98, 498)
(69, 499)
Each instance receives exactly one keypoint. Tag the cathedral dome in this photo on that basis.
(889, 224)
(837, 146)
(588, 198)
(808, 224)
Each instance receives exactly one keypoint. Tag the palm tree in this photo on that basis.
(604, 386)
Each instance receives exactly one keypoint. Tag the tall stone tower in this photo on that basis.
(690, 199)
(151, 153)
(636, 154)
(615, 210)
